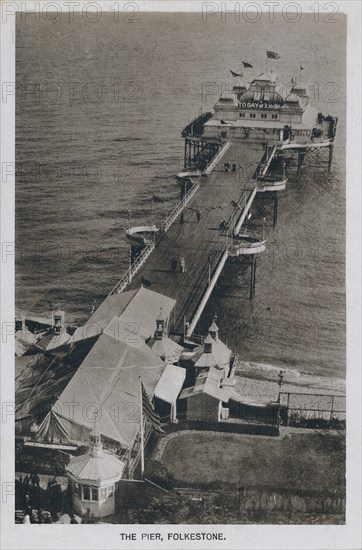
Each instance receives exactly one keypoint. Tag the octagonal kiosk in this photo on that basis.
(92, 478)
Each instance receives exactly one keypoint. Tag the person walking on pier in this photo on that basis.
(198, 215)
(183, 265)
(174, 265)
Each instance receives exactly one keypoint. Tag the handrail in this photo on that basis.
(180, 206)
(128, 276)
(245, 211)
(217, 158)
(207, 293)
(130, 273)
(269, 159)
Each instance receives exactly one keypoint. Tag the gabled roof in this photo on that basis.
(25, 336)
(209, 383)
(170, 384)
(292, 98)
(144, 308)
(113, 305)
(263, 77)
(52, 340)
(50, 372)
(106, 388)
(137, 311)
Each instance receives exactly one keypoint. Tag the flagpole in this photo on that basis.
(142, 431)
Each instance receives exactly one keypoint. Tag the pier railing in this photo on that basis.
(179, 207)
(207, 293)
(217, 158)
(138, 263)
(135, 267)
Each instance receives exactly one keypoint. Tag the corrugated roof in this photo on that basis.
(170, 383)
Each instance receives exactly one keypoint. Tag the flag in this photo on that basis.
(156, 198)
(247, 65)
(149, 412)
(272, 55)
(235, 74)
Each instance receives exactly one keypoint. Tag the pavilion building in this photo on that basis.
(93, 480)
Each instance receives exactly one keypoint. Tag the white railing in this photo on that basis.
(245, 211)
(179, 207)
(217, 158)
(207, 293)
(269, 159)
(135, 267)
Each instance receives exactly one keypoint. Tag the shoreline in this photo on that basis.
(261, 380)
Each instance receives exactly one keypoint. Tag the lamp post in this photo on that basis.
(284, 164)
(280, 383)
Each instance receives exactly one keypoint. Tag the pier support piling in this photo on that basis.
(301, 155)
(275, 209)
(247, 265)
(267, 206)
(252, 277)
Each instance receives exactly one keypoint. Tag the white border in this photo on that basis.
(241, 536)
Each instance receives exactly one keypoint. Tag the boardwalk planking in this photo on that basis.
(196, 241)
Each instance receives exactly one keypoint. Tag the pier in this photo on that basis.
(193, 231)
(204, 245)
(138, 360)
(234, 156)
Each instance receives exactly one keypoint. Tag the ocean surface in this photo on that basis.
(99, 111)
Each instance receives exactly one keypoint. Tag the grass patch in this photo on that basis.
(303, 462)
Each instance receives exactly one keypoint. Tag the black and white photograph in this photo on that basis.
(180, 265)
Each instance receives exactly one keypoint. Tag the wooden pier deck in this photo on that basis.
(197, 241)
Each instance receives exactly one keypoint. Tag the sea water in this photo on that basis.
(99, 111)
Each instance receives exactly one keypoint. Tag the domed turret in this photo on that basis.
(162, 345)
(93, 477)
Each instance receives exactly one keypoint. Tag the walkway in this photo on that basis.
(221, 196)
